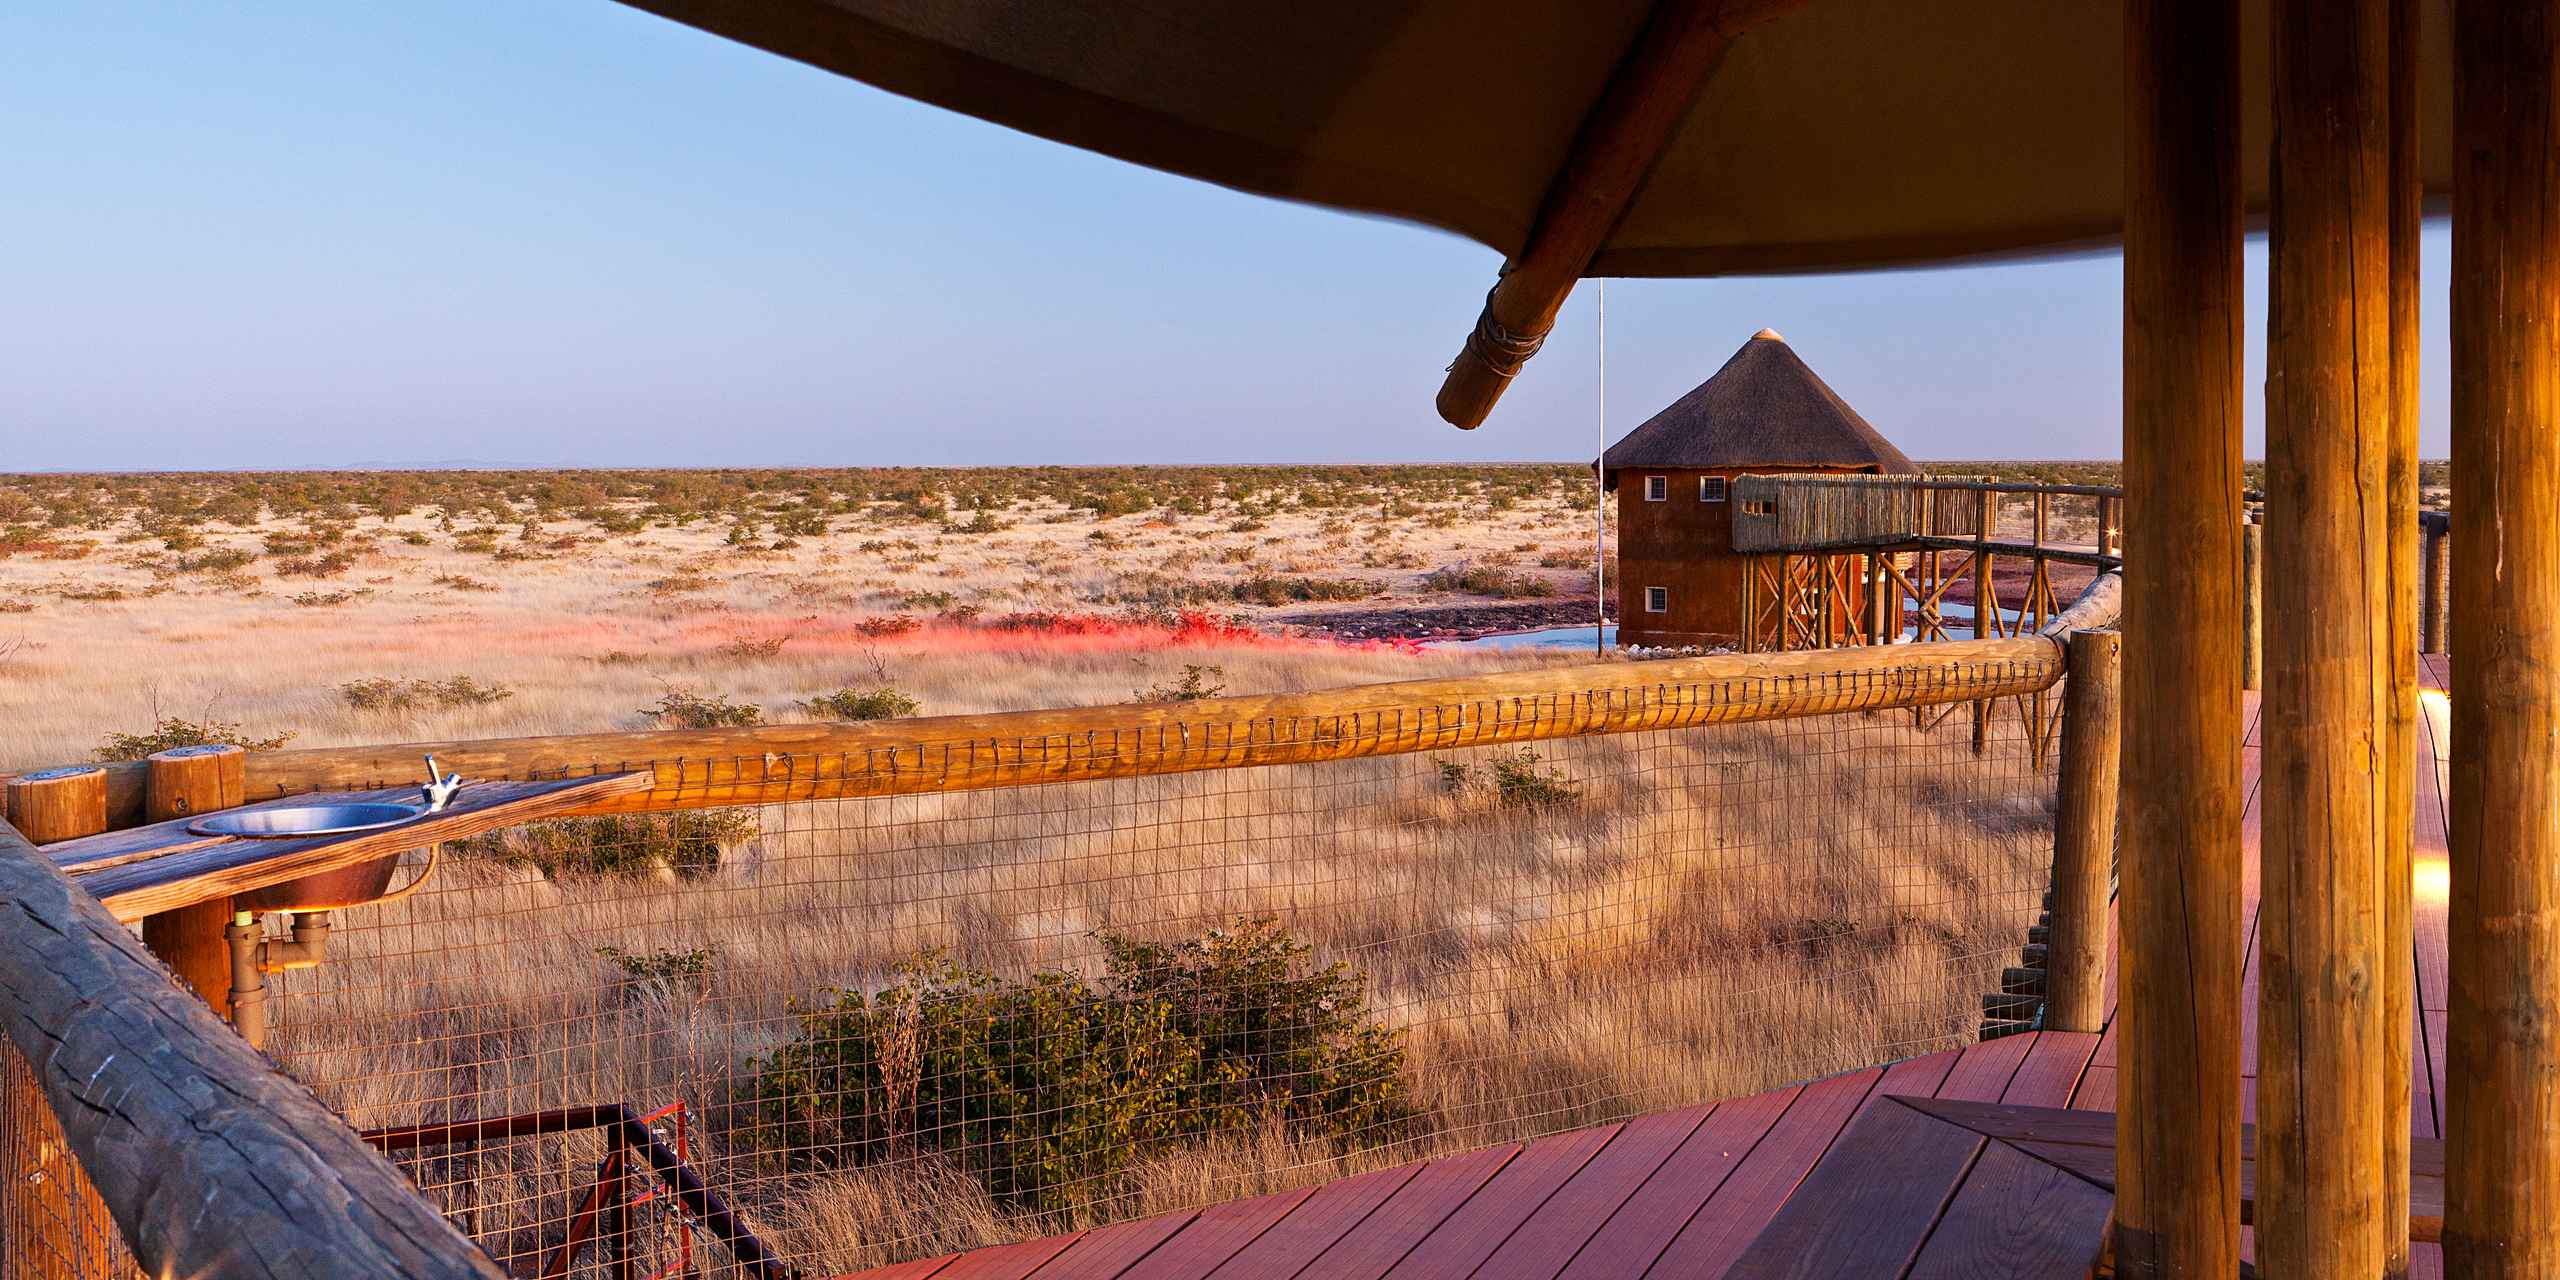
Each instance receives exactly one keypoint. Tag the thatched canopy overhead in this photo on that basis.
(1836, 134)
(1764, 408)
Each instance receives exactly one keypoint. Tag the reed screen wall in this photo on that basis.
(889, 1026)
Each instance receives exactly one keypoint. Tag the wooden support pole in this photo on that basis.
(2502, 1082)
(2084, 835)
(2178, 908)
(2435, 589)
(2253, 618)
(1637, 113)
(2400, 754)
(53, 805)
(185, 781)
(2327, 717)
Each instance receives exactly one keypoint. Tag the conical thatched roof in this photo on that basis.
(1765, 407)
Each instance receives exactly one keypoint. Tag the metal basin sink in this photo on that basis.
(306, 820)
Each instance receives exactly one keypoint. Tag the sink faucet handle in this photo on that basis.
(440, 786)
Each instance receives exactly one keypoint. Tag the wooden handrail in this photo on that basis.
(211, 1162)
(774, 763)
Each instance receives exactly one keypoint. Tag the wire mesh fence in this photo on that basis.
(820, 1035)
(51, 1222)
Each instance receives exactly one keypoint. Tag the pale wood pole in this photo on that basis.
(2084, 834)
(2400, 757)
(2253, 614)
(2178, 903)
(2433, 585)
(2329, 663)
(2502, 1079)
(183, 782)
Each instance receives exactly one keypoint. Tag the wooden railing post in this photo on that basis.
(2435, 595)
(185, 781)
(2253, 625)
(2084, 834)
(2178, 1088)
(2502, 1112)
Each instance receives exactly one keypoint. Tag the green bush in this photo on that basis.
(1485, 580)
(1197, 682)
(1514, 780)
(174, 732)
(883, 703)
(688, 842)
(1269, 589)
(385, 693)
(687, 709)
(1052, 1089)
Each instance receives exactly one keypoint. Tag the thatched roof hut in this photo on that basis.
(1764, 408)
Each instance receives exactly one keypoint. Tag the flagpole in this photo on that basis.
(1600, 474)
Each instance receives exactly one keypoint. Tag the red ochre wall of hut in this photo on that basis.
(1686, 546)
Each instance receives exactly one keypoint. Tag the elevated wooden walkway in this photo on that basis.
(1894, 1171)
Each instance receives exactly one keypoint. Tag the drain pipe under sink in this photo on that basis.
(254, 956)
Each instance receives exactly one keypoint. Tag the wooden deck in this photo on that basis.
(1894, 1171)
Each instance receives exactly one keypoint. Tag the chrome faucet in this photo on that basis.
(440, 786)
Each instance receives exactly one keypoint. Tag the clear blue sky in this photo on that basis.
(569, 233)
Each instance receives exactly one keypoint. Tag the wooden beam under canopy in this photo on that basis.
(1637, 114)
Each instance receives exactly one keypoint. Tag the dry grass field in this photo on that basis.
(1608, 926)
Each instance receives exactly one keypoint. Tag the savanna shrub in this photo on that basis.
(688, 709)
(1053, 1088)
(687, 842)
(1513, 780)
(883, 703)
(174, 732)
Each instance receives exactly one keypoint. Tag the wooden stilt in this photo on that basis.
(2084, 836)
(2502, 1082)
(2178, 1117)
(185, 781)
(2328, 646)
(2253, 615)
(2400, 754)
(2434, 588)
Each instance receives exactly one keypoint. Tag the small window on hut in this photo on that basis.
(1657, 599)
(1711, 488)
(1761, 507)
(1657, 488)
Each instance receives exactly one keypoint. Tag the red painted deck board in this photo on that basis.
(1105, 1252)
(1982, 1071)
(1548, 1240)
(1496, 1210)
(1325, 1217)
(1007, 1262)
(2052, 1068)
(1644, 1226)
(1219, 1233)
(1866, 1210)
(2015, 1219)
(1725, 1225)
(1415, 1211)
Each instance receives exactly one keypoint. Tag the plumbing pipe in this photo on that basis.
(248, 979)
(254, 956)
